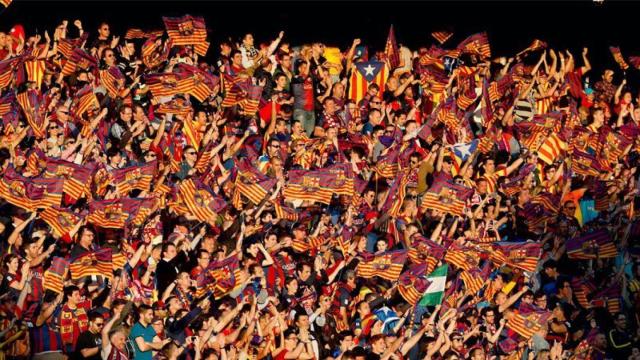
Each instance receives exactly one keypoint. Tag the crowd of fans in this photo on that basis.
(226, 255)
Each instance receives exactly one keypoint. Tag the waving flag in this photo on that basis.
(445, 197)
(387, 165)
(551, 149)
(617, 56)
(441, 36)
(413, 283)
(307, 185)
(62, 221)
(219, 277)
(79, 60)
(463, 151)
(204, 83)
(186, 30)
(477, 44)
(133, 177)
(200, 200)
(108, 214)
(20, 191)
(254, 191)
(435, 292)
(7, 69)
(475, 278)
(425, 251)
(391, 49)
(535, 45)
(462, 257)
(84, 100)
(35, 71)
(365, 74)
(32, 105)
(597, 244)
(523, 256)
(53, 277)
(7, 103)
(77, 178)
(96, 263)
(529, 324)
(387, 265)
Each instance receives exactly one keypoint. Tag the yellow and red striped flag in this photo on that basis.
(463, 258)
(186, 30)
(477, 44)
(391, 49)
(307, 185)
(35, 71)
(219, 278)
(441, 36)
(53, 277)
(551, 149)
(96, 263)
(365, 74)
(61, 220)
(77, 178)
(617, 56)
(133, 177)
(85, 100)
(79, 60)
(387, 265)
(594, 245)
(444, 197)
(413, 283)
(528, 324)
(108, 214)
(31, 104)
(200, 200)
(523, 256)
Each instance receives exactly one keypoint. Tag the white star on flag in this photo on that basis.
(368, 70)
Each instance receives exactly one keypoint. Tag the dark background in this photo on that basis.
(511, 25)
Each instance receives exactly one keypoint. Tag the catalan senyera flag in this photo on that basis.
(200, 200)
(475, 278)
(79, 60)
(96, 263)
(529, 324)
(133, 177)
(597, 244)
(77, 178)
(367, 73)
(84, 100)
(413, 283)
(396, 195)
(391, 49)
(307, 185)
(218, 278)
(53, 277)
(441, 36)
(108, 214)
(186, 30)
(445, 197)
(477, 44)
(140, 34)
(523, 256)
(35, 71)
(617, 56)
(61, 220)
(32, 104)
(387, 265)
(551, 149)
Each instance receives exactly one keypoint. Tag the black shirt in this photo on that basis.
(87, 340)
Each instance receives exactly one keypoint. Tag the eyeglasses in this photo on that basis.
(376, 102)
(275, 146)
(99, 324)
(64, 112)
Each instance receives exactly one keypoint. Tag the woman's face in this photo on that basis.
(381, 245)
(13, 265)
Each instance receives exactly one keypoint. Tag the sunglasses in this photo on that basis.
(376, 102)
(191, 153)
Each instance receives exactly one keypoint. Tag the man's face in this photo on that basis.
(600, 341)
(305, 273)
(87, 238)
(330, 107)
(303, 322)
(104, 30)
(379, 346)
(75, 297)
(237, 59)
(608, 76)
(170, 253)
(621, 322)
(490, 317)
(148, 316)
(96, 325)
(126, 114)
(286, 62)
(274, 148)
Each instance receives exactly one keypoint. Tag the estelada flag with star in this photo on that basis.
(365, 74)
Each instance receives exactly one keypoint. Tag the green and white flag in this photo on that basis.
(435, 292)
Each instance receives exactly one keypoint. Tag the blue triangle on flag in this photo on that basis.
(370, 69)
(463, 151)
